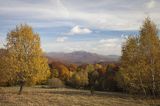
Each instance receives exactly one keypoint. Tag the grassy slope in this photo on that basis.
(64, 97)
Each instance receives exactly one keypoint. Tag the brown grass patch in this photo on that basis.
(35, 96)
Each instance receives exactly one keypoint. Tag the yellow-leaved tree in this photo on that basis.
(25, 55)
(140, 62)
(5, 73)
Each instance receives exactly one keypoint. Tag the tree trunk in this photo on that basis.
(153, 77)
(141, 84)
(92, 90)
(153, 83)
(21, 88)
(22, 83)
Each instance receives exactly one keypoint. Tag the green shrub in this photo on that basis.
(55, 83)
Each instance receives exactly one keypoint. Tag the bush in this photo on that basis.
(80, 79)
(55, 83)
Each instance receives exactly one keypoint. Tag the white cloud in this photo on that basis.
(61, 39)
(109, 40)
(79, 30)
(111, 45)
(2, 41)
(107, 14)
(106, 46)
(151, 4)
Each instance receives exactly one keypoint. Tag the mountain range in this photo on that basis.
(81, 57)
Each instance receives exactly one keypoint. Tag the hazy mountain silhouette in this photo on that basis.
(81, 57)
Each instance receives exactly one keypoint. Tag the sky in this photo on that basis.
(98, 26)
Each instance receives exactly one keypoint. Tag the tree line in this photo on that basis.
(99, 76)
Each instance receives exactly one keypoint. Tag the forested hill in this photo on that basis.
(81, 57)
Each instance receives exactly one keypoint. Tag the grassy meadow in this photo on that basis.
(37, 96)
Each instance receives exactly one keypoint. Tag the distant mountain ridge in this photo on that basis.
(81, 57)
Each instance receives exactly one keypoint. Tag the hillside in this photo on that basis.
(81, 57)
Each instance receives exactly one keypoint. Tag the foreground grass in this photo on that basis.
(35, 96)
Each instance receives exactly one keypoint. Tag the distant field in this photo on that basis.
(34, 96)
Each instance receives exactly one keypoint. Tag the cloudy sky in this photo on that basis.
(97, 26)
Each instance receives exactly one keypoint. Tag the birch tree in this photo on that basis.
(26, 56)
(141, 60)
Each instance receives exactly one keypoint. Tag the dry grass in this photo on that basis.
(34, 96)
